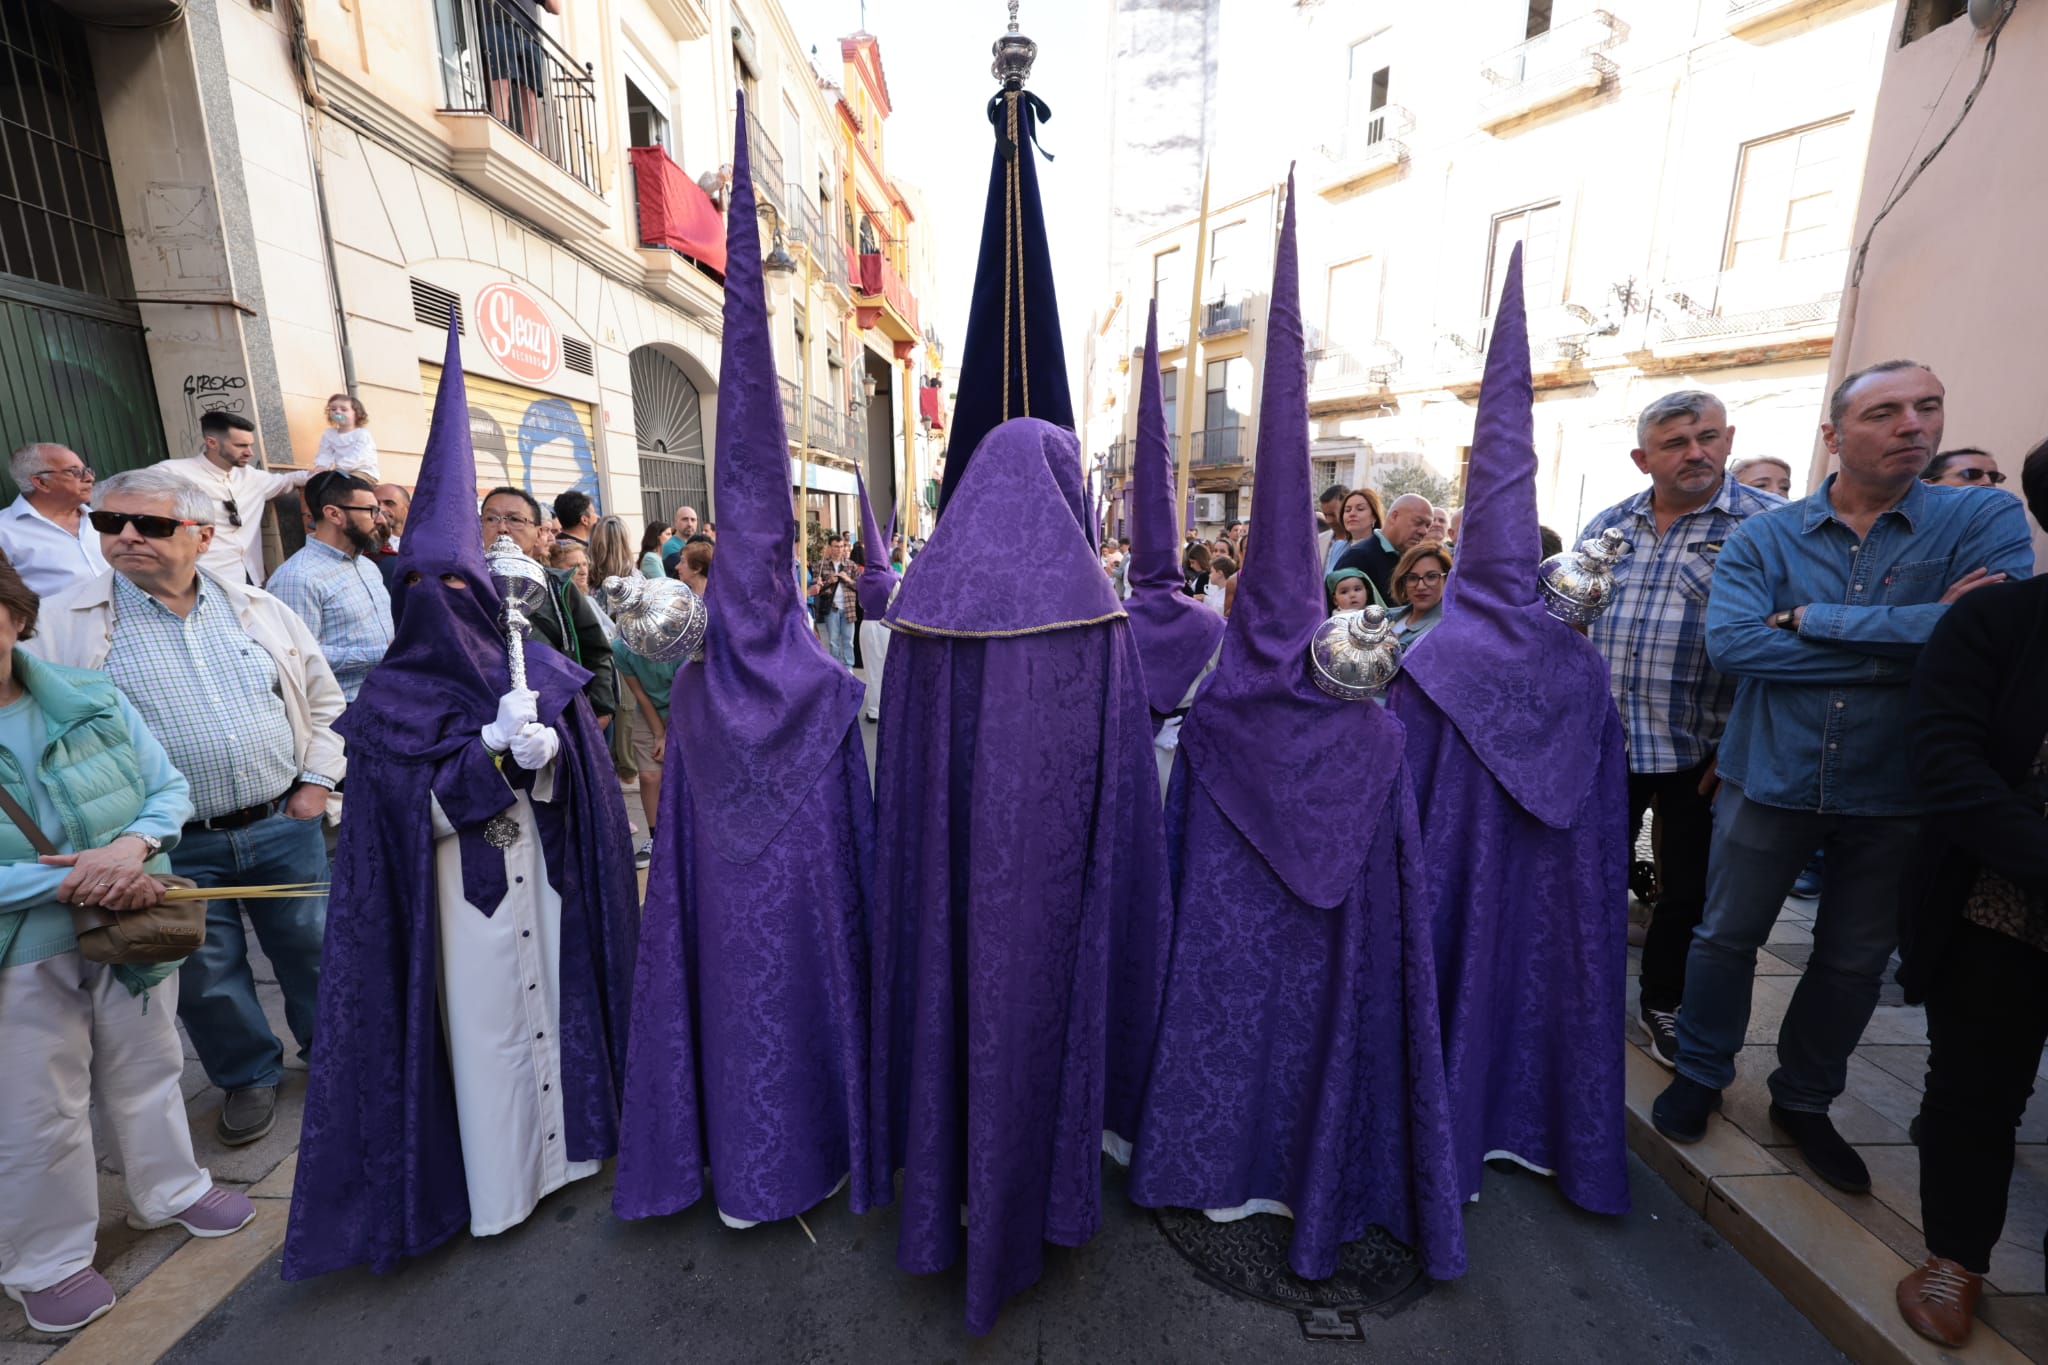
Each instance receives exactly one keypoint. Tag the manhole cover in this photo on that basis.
(1375, 1274)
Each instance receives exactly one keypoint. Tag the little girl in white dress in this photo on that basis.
(347, 445)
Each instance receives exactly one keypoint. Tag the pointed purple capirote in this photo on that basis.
(1543, 697)
(877, 580)
(380, 1173)
(1176, 634)
(1022, 898)
(750, 1008)
(1298, 1063)
(1521, 775)
(1012, 361)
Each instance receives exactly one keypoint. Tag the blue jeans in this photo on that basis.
(1758, 852)
(216, 989)
(839, 637)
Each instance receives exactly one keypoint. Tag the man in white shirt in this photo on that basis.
(240, 491)
(43, 532)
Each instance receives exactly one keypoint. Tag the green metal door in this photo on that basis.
(73, 365)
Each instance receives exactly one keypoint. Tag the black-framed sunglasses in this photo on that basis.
(1975, 475)
(153, 527)
(234, 513)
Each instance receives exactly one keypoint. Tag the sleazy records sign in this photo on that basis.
(525, 438)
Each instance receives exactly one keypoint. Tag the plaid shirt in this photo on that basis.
(208, 693)
(342, 599)
(1655, 635)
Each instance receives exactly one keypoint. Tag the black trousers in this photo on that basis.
(1685, 831)
(1987, 1017)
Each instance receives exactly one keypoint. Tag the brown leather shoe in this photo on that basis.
(1939, 1301)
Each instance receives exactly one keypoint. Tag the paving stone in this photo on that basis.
(2021, 1319)
(1746, 1104)
(1790, 931)
(248, 1164)
(1882, 1091)
(26, 1351)
(1907, 1063)
(1769, 998)
(1897, 1024)
(1768, 963)
(1689, 1169)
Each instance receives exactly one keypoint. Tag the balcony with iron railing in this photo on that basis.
(1461, 353)
(801, 225)
(1215, 446)
(885, 300)
(1223, 316)
(792, 411)
(1747, 15)
(1119, 457)
(1363, 152)
(497, 61)
(1338, 370)
(767, 163)
(1550, 69)
(1741, 305)
(828, 429)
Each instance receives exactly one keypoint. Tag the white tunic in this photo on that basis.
(501, 1008)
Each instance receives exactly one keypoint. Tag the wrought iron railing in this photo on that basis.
(828, 428)
(1377, 134)
(1547, 53)
(767, 162)
(792, 411)
(801, 225)
(1120, 457)
(1220, 317)
(1220, 445)
(496, 60)
(1371, 367)
(1805, 292)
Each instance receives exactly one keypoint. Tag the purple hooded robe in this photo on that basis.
(1176, 634)
(1521, 775)
(749, 1049)
(1023, 911)
(1298, 1068)
(380, 1172)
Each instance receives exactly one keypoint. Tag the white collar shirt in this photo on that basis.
(237, 551)
(49, 558)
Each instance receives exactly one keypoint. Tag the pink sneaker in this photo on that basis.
(216, 1213)
(68, 1304)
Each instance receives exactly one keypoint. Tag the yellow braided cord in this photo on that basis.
(1009, 236)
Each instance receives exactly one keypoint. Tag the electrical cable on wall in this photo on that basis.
(1892, 201)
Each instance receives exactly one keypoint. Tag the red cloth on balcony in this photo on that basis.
(929, 407)
(674, 212)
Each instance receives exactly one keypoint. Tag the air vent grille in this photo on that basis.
(433, 305)
(576, 356)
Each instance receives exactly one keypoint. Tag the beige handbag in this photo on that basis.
(164, 932)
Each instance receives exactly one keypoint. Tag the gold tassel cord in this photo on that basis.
(275, 892)
(1009, 238)
(1017, 200)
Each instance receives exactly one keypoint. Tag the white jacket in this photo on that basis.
(77, 629)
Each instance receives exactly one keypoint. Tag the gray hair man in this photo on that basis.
(42, 532)
(234, 687)
(239, 490)
(1673, 702)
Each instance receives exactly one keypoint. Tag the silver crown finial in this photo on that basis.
(1014, 54)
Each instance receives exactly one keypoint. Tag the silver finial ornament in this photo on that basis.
(658, 618)
(1354, 654)
(522, 586)
(1014, 55)
(1578, 585)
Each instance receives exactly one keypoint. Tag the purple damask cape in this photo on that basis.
(1176, 634)
(1298, 1066)
(877, 580)
(1023, 912)
(1521, 775)
(749, 1050)
(380, 1173)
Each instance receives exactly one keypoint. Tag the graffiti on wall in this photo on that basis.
(527, 439)
(206, 393)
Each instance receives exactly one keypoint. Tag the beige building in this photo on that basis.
(1953, 275)
(1681, 176)
(290, 212)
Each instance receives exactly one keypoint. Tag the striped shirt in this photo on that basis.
(208, 693)
(1654, 637)
(342, 599)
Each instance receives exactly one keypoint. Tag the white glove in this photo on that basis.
(516, 708)
(534, 746)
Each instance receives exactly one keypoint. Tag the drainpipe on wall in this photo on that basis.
(302, 66)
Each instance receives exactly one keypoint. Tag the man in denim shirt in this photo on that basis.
(1654, 638)
(1819, 609)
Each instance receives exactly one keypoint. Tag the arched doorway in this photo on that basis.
(668, 419)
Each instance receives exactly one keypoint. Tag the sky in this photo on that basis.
(935, 58)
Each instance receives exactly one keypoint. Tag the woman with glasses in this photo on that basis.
(1419, 581)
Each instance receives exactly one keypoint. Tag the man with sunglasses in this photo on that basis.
(43, 532)
(333, 582)
(235, 688)
(240, 490)
(1964, 467)
(568, 621)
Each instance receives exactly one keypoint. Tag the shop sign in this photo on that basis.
(517, 333)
